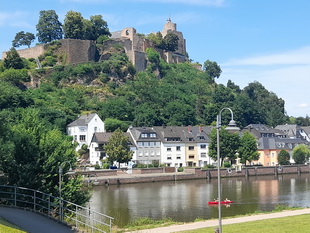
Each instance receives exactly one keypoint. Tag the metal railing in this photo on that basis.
(79, 217)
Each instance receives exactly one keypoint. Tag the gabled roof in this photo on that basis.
(103, 138)
(82, 120)
(137, 131)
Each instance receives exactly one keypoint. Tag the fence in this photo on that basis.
(79, 217)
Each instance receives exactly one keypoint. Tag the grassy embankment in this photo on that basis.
(286, 224)
(7, 227)
(292, 224)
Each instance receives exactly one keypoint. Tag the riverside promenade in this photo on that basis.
(214, 222)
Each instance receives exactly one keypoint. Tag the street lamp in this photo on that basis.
(231, 127)
(60, 175)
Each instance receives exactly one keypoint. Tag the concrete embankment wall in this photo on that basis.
(110, 177)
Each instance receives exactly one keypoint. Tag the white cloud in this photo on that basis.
(286, 74)
(298, 56)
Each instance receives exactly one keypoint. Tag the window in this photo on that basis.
(168, 149)
(191, 139)
(82, 138)
(178, 157)
(146, 153)
(95, 129)
(203, 155)
(191, 156)
(140, 153)
(152, 135)
(152, 144)
(75, 137)
(158, 152)
(143, 135)
(140, 144)
(191, 148)
(169, 157)
(203, 146)
(178, 148)
(152, 153)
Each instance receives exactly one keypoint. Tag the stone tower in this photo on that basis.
(171, 27)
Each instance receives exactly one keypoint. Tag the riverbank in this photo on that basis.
(214, 222)
(117, 177)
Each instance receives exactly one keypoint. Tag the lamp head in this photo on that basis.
(232, 127)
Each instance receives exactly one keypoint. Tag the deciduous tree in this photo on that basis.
(284, 157)
(13, 60)
(301, 154)
(248, 148)
(117, 148)
(73, 25)
(212, 69)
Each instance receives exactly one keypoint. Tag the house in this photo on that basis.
(96, 148)
(84, 127)
(261, 130)
(269, 148)
(148, 145)
(295, 131)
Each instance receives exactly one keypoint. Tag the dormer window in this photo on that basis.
(152, 135)
(143, 135)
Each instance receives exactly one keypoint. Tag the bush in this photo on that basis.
(180, 169)
(97, 166)
(227, 164)
(105, 166)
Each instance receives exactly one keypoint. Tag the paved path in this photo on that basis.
(32, 222)
(214, 223)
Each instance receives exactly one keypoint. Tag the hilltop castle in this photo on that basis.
(134, 44)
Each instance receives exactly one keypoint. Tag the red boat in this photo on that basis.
(222, 202)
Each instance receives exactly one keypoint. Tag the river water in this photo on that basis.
(188, 200)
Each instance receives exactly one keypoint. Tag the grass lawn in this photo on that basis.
(6, 227)
(292, 224)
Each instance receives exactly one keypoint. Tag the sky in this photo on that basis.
(267, 41)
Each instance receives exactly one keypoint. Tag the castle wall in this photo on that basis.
(33, 52)
(78, 51)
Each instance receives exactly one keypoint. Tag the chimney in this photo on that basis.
(189, 128)
(200, 129)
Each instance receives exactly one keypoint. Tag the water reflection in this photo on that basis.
(188, 200)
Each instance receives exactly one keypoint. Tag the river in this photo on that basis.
(188, 200)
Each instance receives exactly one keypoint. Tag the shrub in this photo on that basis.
(180, 169)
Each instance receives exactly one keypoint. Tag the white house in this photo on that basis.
(96, 148)
(84, 127)
(148, 145)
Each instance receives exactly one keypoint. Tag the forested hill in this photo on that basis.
(164, 94)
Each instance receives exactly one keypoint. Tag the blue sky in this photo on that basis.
(252, 40)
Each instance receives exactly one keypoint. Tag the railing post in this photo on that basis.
(15, 196)
(76, 216)
(34, 200)
(49, 205)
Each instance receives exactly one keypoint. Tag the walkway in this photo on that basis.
(214, 223)
(32, 222)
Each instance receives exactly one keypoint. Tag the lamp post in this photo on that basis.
(231, 127)
(60, 175)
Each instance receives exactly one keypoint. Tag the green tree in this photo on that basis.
(157, 40)
(301, 154)
(248, 148)
(15, 76)
(212, 69)
(112, 124)
(229, 144)
(284, 157)
(49, 28)
(95, 27)
(13, 60)
(34, 154)
(117, 148)
(73, 25)
(171, 42)
(22, 38)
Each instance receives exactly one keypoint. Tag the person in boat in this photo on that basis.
(226, 199)
(216, 199)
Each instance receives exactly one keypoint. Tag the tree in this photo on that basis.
(95, 27)
(229, 144)
(248, 148)
(301, 153)
(171, 42)
(49, 28)
(13, 60)
(284, 157)
(112, 124)
(157, 40)
(117, 148)
(73, 25)
(22, 38)
(212, 69)
(32, 154)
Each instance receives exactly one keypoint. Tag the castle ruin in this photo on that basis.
(134, 44)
